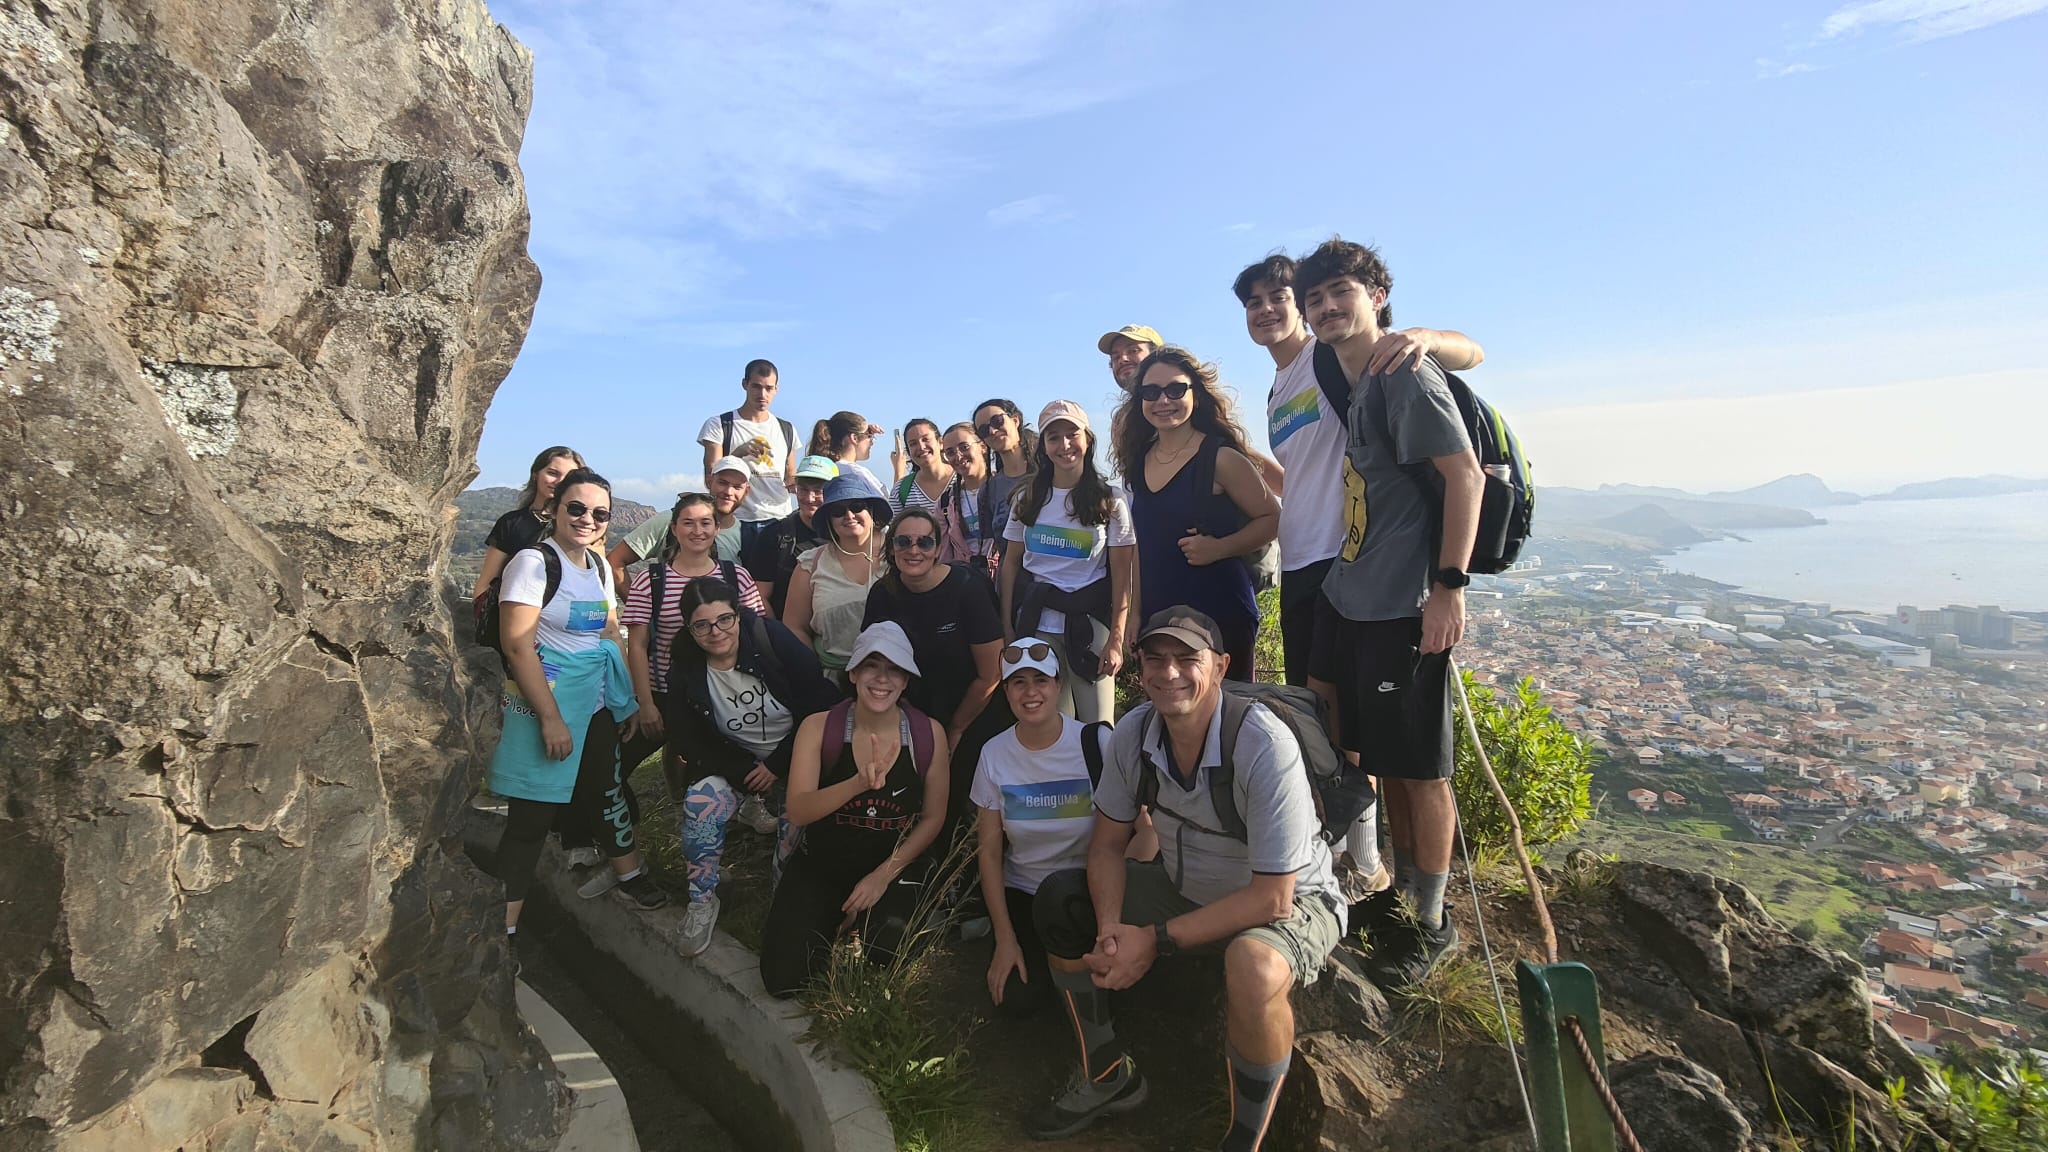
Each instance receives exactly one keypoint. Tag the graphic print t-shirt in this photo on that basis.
(1047, 803)
(1066, 553)
(574, 620)
(1307, 436)
(762, 448)
(746, 712)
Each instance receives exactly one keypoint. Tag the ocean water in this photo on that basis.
(1880, 554)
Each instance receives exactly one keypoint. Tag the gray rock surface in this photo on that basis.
(262, 266)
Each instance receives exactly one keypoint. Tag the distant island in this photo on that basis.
(1649, 520)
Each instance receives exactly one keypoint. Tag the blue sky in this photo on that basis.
(1703, 244)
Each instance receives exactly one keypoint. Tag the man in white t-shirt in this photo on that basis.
(766, 444)
(1308, 436)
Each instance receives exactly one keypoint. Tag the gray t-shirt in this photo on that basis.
(1383, 569)
(1272, 795)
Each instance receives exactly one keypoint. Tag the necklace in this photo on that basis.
(1160, 454)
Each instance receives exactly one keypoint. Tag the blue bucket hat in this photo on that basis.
(852, 486)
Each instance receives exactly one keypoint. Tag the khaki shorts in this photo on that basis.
(1305, 938)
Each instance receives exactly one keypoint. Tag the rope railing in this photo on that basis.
(1567, 1026)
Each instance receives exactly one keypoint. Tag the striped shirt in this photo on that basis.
(640, 609)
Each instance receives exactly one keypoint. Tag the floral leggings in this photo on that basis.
(708, 807)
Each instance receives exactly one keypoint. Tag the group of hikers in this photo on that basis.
(868, 670)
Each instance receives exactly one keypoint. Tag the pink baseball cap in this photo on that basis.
(1062, 410)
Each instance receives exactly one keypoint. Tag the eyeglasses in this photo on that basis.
(1173, 391)
(722, 622)
(988, 427)
(958, 452)
(1015, 653)
(923, 543)
(577, 510)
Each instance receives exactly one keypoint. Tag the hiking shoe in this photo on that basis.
(975, 927)
(755, 816)
(601, 880)
(1083, 1101)
(1376, 914)
(1357, 884)
(1410, 952)
(640, 893)
(698, 921)
(584, 857)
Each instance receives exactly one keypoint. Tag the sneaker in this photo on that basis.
(975, 927)
(1411, 951)
(1377, 913)
(601, 880)
(1083, 1101)
(640, 893)
(584, 857)
(1359, 885)
(755, 816)
(698, 921)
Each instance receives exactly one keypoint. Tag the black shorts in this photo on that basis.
(1393, 703)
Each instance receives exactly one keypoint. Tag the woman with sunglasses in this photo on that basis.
(931, 475)
(557, 760)
(1034, 792)
(742, 683)
(526, 525)
(974, 516)
(847, 438)
(1067, 574)
(868, 785)
(1012, 447)
(950, 617)
(828, 592)
(1178, 434)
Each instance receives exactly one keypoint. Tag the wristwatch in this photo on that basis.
(1166, 945)
(1452, 577)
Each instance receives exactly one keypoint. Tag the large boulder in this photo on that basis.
(262, 266)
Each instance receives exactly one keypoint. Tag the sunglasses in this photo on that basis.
(923, 543)
(1016, 653)
(577, 510)
(835, 511)
(722, 622)
(1173, 391)
(988, 428)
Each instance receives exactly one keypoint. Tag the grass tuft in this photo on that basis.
(1454, 1001)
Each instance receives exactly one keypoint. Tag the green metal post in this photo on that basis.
(1546, 1074)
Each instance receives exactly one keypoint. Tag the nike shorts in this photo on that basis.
(1393, 702)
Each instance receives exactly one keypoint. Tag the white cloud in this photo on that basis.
(661, 133)
(1924, 19)
(1044, 208)
(1768, 69)
(661, 490)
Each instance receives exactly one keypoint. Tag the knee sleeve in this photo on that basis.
(1064, 914)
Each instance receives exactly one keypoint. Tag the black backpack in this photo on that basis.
(1264, 564)
(1507, 504)
(485, 608)
(1341, 789)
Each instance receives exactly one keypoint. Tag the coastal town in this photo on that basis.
(1900, 758)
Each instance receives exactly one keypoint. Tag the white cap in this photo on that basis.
(1017, 657)
(884, 639)
(730, 464)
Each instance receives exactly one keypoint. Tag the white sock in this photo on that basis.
(1363, 841)
(629, 875)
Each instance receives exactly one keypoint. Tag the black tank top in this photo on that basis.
(862, 832)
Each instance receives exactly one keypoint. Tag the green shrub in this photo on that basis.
(1546, 770)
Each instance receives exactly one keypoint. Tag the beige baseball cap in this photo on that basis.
(1138, 332)
(1062, 410)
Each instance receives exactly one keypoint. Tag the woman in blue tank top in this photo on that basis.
(1199, 506)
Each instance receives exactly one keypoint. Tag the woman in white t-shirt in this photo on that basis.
(848, 439)
(1035, 789)
(1071, 578)
(557, 758)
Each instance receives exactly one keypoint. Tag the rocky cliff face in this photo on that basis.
(262, 265)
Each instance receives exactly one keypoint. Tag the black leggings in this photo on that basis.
(598, 810)
(1019, 997)
(804, 918)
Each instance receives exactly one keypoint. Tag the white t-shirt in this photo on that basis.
(574, 620)
(1047, 803)
(1308, 439)
(747, 712)
(1066, 553)
(761, 446)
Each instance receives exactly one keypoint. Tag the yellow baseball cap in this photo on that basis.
(1138, 332)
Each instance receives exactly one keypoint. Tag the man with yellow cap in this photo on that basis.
(1127, 348)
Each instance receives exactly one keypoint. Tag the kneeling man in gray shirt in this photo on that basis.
(1269, 902)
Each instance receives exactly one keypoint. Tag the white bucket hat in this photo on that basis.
(884, 639)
